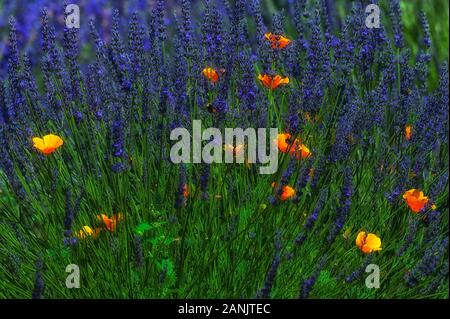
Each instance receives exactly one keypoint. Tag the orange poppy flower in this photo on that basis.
(211, 75)
(295, 147)
(48, 144)
(286, 193)
(415, 199)
(368, 242)
(302, 152)
(283, 142)
(272, 82)
(87, 231)
(408, 132)
(277, 41)
(110, 223)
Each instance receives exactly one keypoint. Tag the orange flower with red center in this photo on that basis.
(277, 41)
(272, 82)
(110, 223)
(287, 192)
(368, 243)
(211, 74)
(294, 147)
(48, 144)
(415, 199)
(408, 132)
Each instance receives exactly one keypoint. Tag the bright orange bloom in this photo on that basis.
(48, 144)
(211, 75)
(277, 41)
(302, 152)
(272, 82)
(295, 147)
(408, 132)
(286, 193)
(87, 231)
(415, 199)
(283, 142)
(110, 223)
(368, 242)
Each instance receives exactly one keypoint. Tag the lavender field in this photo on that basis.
(94, 205)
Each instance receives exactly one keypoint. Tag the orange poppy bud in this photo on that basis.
(272, 82)
(368, 243)
(408, 132)
(211, 75)
(48, 144)
(415, 199)
(277, 41)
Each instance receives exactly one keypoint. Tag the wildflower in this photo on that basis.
(277, 41)
(87, 231)
(368, 242)
(286, 192)
(408, 132)
(211, 75)
(48, 144)
(295, 147)
(272, 82)
(282, 142)
(415, 199)
(110, 223)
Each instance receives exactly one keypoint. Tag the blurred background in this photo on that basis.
(28, 14)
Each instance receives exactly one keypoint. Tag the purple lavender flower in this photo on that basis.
(355, 275)
(429, 262)
(264, 293)
(413, 226)
(395, 14)
(308, 283)
(38, 290)
(344, 208)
